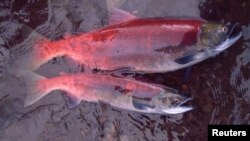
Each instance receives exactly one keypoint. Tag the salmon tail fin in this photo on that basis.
(34, 51)
(35, 87)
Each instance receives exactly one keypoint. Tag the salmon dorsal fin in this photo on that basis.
(119, 16)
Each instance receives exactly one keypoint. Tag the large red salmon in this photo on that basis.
(147, 45)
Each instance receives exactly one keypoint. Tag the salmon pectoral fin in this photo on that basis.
(71, 101)
(189, 58)
(34, 91)
(141, 104)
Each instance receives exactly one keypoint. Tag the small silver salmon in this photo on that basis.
(118, 92)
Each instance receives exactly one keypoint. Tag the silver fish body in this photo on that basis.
(118, 92)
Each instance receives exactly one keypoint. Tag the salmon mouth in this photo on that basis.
(233, 35)
(179, 109)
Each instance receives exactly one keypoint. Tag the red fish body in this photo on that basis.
(147, 45)
(141, 45)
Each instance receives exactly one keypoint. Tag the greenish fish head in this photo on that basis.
(163, 103)
(217, 36)
(170, 103)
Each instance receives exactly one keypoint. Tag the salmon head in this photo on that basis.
(164, 103)
(171, 103)
(218, 37)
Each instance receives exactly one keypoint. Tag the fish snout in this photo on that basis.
(151, 107)
(182, 107)
(231, 26)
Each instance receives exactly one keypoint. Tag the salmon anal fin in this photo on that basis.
(71, 101)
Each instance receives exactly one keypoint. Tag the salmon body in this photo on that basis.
(141, 45)
(131, 44)
(92, 87)
(149, 45)
(146, 45)
(118, 92)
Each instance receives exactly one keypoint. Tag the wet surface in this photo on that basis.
(219, 86)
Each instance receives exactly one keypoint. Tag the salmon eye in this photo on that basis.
(224, 29)
(176, 100)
